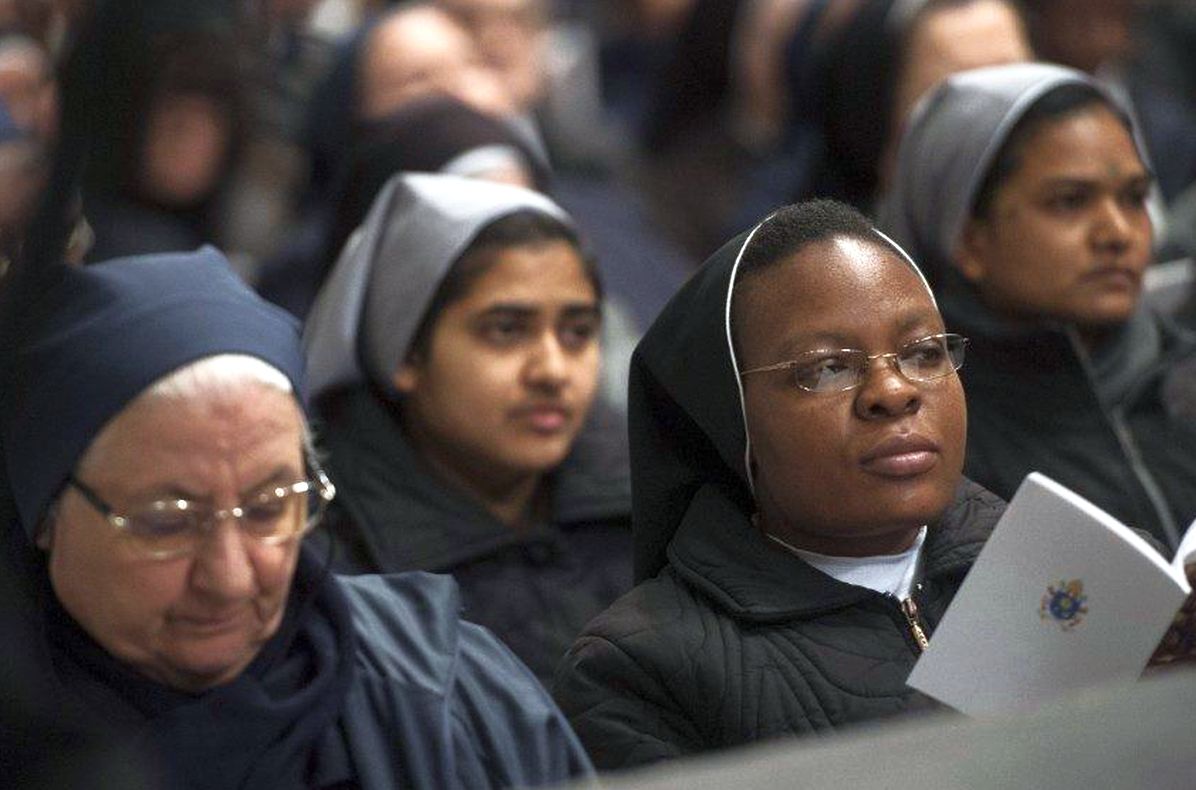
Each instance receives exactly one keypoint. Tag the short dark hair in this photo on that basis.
(1054, 105)
(523, 228)
(792, 228)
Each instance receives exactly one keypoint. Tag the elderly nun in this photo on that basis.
(1024, 191)
(454, 357)
(156, 448)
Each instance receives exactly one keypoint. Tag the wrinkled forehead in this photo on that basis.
(238, 418)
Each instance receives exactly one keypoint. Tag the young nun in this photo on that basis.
(454, 356)
(801, 522)
(1023, 191)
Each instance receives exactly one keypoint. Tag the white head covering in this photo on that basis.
(366, 315)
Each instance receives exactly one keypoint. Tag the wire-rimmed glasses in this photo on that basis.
(171, 528)
(837, 370)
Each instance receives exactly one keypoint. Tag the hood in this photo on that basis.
(84, 342)
(685, 406)
(954, 135)
(366, 315)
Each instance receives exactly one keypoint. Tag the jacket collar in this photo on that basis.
(718, 551)
(408, 519)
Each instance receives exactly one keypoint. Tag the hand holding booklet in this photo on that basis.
(1063, 596)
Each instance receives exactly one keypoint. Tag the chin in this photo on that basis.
(542, 457)
(925, 505)
(200, 673)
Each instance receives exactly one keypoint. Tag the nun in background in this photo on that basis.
(157, 453)
(1023, 191)
(429, 135)
(454, 357)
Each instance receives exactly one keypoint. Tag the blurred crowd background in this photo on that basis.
(266, 127)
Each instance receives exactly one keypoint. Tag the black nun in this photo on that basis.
(800, 518)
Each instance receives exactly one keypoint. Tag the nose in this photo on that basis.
(548, 363)
(1114, 230)
(222, 568)
(886, 393)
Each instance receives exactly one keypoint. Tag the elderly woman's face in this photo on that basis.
(190, 622)
(1068, 235)
(848, 473)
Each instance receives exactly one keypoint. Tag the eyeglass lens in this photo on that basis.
(923, 360)
(178, 526)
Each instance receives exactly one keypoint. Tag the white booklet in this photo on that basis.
(1063, 596)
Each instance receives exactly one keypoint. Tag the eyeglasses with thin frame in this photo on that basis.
(838, 370)
(172, 528)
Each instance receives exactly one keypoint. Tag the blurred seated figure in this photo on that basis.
(22, 178)
(410, 51)
(510, 37)
(454, 353)
(163, 481)
(27, 86)
(855, 76)
(418, 49)
(800, 518)
(1023, 192)
(174, 149)
(812, 94)
(431, 134)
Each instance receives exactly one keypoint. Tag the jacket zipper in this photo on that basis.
(1129, 446)
(1155, 494)
(910, 609)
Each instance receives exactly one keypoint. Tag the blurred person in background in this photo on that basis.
(454, 355)
(780, 100)
(432, 133)
(28, 86)
(52, 23)
(510, 37)
(409, 51)
(23, 173)
(419, 49)
(1023, 190)
(635, 39)
(283, 62)
(175, 148)
(853, 71)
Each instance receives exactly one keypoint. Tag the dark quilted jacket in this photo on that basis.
(736, 641)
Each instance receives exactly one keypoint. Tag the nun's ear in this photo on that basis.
(43, 536)
(406, 378)
(972, 253)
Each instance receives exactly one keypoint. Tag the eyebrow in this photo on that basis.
(582, 310)
(1144, 177)
(528, 310)
(284, 473)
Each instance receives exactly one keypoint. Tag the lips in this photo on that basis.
(546, 418)
(1123, 277)
(902, 456)
(209, 625)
